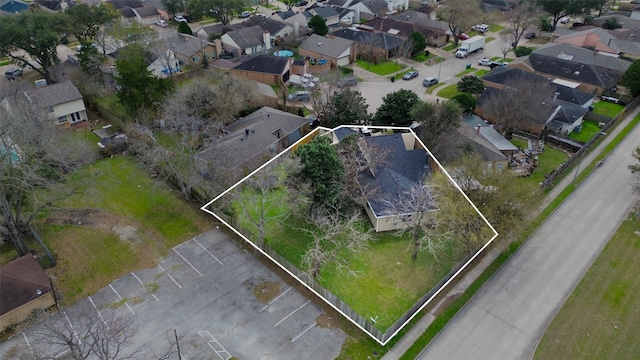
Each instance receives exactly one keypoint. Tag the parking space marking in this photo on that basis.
(305, 330)
(293, 312)
(28, 344)
(188, 263)
(72, 328)
(120, 297)
(208, 252)
(170, 277)
(141, 283)
(99, 314)
(274, 300)
(211, 345)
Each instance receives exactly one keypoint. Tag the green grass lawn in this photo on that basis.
(589, 128)
(383, 68)
(600, 318)
(467, 71)
(482, 72)
(430, 89)
(448, 91)
(112, 104)
(449, 47)
(122, 198)
(549, 160)
(496, 28)
(607, 108)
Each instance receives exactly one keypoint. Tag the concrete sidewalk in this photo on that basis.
(470, 277)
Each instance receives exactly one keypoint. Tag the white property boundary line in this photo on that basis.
(322, 131)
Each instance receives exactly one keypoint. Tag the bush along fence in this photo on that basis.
(578, 154)
(367, 324)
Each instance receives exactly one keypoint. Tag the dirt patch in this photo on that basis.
(266, 291)
(327, 321)
(126, 229)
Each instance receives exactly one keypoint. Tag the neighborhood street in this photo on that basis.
(507, 317)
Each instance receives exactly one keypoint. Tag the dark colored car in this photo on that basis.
(303, 3)
(13, 74)
(530, 35)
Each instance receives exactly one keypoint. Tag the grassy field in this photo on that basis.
(589, 128)
(467, 71)
(607, 108)
(482, 72)
(448, 91)
(600, 318)
(496, 28)
(449, 47)
(549, 160)
(383, 68)
(122, 221)
(430, 89)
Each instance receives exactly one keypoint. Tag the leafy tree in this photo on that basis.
(173, 6)
(461, 15)
(436, 119)
(319, 25)
(323, 171)
(220, 10)
(523, 16)
(138, 87)
(466, 102)
(346, 107)
(612, 23)
(184, 28)
(396, 108)
(418, 43)
(33, 158)
(30, 39)
(522, 51)
(84, 23)
(631, 78)
(558, 9)
(471, 84)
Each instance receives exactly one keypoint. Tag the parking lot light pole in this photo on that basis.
(582, 156)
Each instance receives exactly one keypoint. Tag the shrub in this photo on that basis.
(612, 23)
(466, 101)
(522, 51)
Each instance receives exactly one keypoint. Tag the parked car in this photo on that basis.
(485, 62)
(430, 81)
(576, 25)
(13, 74)
(161, 23)
(179, 18)
(482, 28)
(530, 35)
(245, 14)
(565, 20)
(347, 82)
(303, 3)
(495, 64)
(410, 75)
(299, 96)
(463, 36)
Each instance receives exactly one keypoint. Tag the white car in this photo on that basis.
(565, 20)
(179, 18)
(485, 62)
(161, 23)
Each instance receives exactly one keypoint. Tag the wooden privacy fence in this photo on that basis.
(576, 156)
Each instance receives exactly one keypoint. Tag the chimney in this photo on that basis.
(555, 95)
(266, 39)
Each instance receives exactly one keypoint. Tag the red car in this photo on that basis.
(463, 36)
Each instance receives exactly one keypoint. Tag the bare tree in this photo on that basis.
(505, 43)
(33, 157)
(533, 99)
(164, 47)
(335, 239)
(461, 15)
(523, 16)
(435, 120)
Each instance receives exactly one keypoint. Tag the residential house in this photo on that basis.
(330, 15)
(338, 51)
(246, 41)
(250, 141)
(497, 5)
(265, 69)
(403, 171)
(632, 8)
(12, 6)
(62, 101)
(24, 288)
(404, 30)
(191, 50)
(290, 17)
(146, 15)
(366, 9)
(280, 31)
(440, 29)
(210, 32)
(125, 7)
(346, 16)
(371, 45)
(54, 5)
(595, 71)
(603, 41)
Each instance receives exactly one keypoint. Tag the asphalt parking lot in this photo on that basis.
(204, 290)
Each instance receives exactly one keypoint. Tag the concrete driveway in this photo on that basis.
(205, 292)
(508, 316)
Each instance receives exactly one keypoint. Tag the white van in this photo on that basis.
(482, 28)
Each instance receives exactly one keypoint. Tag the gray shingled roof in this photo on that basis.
(270, 25)
(403, 29)
(188, 45)
(583, 56)
(379, 40)
(264, 63)
(331, 48)
(54, 94)
(376, 6)
(20, 281)
(247, 37)
(121, 4)
(146, 11)
(324, 11)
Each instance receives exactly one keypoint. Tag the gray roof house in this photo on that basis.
(209, 31)
(370, 44)
(245, 144)
(338, 51)
(601, 40)
(402, 172)
(246, 41)
(328, 13)
(146, 15)
(62, 101)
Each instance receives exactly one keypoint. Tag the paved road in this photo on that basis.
(507, 317)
